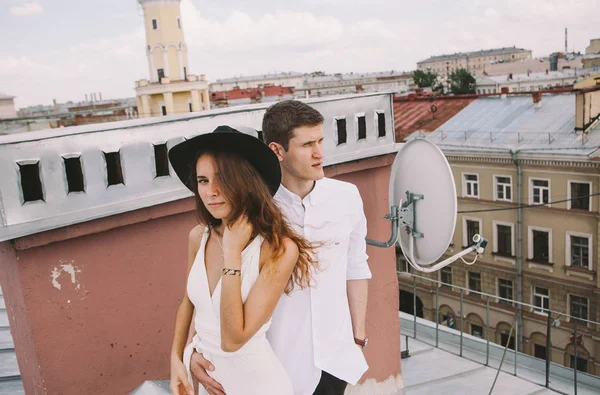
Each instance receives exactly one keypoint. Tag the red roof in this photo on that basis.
(251, 93)
(413, 113)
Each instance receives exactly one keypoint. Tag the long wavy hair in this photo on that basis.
(248, 195)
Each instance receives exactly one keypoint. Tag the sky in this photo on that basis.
(63, 49)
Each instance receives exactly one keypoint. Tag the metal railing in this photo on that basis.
(577, 331)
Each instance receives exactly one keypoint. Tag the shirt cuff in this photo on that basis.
(358, 272)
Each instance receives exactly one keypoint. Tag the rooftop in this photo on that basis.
(483, 52)
(6, 97)
(138, 186)
(495, 124)
(440, 370)
(291, 74)
(540, 76)
(411, 115)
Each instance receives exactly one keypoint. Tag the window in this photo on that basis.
(154, 24)
(190, 107)
(74, 174)
(179, 22)
(539, 351)
(31, 183)
(503, 188)
(472, 227)
(578, 307)
(503, 239)
(161, 160)
(114, 171)
(446, 277)
(341, 130)
(541, 300)
(403, 266)
(471, 185)
(362, 127)
(474, 281)
(581, 363)
(540, 191)
(504, 340)
(541, 247)
(579, 193)
(185, 73)
(380, 124)
(477, 330)
(579, 247)
(163, 109)
(505, 290)
(161, 74)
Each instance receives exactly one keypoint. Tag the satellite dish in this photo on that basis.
(421, 170)
(423, 211)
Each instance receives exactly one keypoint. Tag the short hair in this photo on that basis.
(282, 118)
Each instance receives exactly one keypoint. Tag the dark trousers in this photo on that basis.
(330, 385)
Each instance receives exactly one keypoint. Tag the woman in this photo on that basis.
(242, 257)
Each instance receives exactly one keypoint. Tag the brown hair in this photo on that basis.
(248, 195)
(282, 118)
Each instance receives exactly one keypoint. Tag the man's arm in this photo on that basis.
(358, 272)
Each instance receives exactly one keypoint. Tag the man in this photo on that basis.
(318, 333)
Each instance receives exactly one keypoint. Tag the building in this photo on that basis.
(70, 114)
(506, 152)
(590, 61)
(475, 61)
(289, 80)
(594, 47)
(320, 84)
(93, 243)
(530, 82)
(537, 65)
(171, 88)
(317, 84)
(7, 107)
(264, 94)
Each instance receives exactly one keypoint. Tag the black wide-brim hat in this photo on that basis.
(183, 156)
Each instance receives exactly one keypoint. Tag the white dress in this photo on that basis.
(254, 368)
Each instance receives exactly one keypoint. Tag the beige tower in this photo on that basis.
(171, 89)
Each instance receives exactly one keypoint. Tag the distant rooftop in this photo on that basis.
(486, 52)
(539, 76)
(291, 74)
(494, 124)
(6, 97)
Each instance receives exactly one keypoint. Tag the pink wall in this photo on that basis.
(109, 327)
(371, 176)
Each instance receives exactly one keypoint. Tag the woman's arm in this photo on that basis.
(239, 322)
(185, 310)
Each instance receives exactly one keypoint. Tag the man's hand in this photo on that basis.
(198, 367)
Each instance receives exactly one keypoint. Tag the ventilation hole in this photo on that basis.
(362, 128)
(381, 124)
(31, 184)
(341, 131)
(74, 174)
(161, 160)
(260, 135)
(113, 168)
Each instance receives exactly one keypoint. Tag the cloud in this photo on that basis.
(27, 9)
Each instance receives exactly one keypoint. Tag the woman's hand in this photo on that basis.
(237, 236)
(180, 384)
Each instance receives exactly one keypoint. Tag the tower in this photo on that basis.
(170, 89)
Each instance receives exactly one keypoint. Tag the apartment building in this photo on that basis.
(474, 61)
(505, 153)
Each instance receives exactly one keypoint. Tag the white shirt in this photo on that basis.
(311, 329)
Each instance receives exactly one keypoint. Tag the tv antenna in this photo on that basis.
(424, 212)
